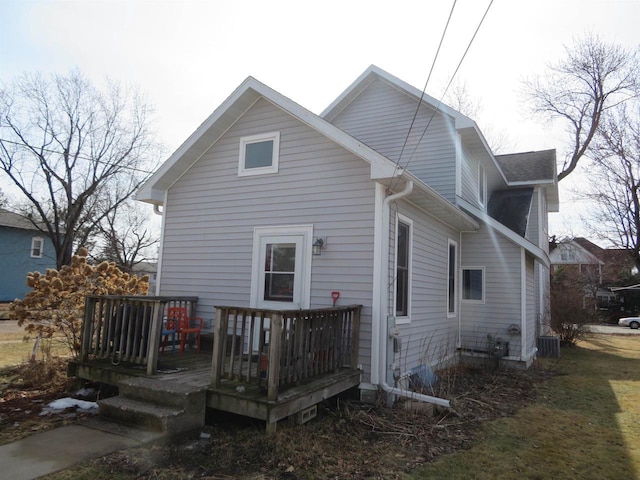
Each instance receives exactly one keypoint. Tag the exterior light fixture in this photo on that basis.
(318, 244)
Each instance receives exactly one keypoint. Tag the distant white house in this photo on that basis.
(443, 243)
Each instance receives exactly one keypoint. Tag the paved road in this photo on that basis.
(10, 326)
(613, 330)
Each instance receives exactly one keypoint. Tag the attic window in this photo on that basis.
(259, 154)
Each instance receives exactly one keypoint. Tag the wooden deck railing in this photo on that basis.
(127, 328)
(277, 349)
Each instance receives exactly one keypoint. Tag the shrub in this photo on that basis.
(55, 306)
(569, 315)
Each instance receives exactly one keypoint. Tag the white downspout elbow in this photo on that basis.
(382, 359)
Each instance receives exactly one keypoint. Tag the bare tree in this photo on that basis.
(594, 77)
(614, 185)
(460, 98)
(74, 152)
(128, 238)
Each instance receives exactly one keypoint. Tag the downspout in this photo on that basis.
(384, 296)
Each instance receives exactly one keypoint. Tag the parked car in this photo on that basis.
(631, 322)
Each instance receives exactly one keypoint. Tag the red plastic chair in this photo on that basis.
(185, 325)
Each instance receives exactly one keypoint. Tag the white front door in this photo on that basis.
(281, 273)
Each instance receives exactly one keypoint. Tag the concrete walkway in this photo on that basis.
(49, 452)
(55, 450)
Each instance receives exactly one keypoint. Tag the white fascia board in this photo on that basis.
(506, 232)
(227, 113)
(465, 125)
(151, 191)
(353, 90)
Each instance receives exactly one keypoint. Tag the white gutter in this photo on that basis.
(384, 296)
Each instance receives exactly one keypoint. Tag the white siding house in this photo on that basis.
(419, 227)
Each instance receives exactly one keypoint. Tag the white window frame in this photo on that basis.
(292, 232)
(407, 221)
(482, 186)
(484, 282)
(454, 293)
(35, 240)
(275, 156)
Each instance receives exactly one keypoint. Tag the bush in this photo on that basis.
(55, 306)
(569, 316)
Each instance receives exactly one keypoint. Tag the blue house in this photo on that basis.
(23, 249)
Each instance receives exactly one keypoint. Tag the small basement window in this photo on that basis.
(259, 154)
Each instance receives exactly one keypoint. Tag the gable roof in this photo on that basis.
(226, 115)
(518, 169)
(241, 100)
(15, 220)
(465, 126)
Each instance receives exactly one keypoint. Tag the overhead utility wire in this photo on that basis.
(448, 85)
(433, 64)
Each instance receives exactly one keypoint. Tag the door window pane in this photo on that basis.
(280, 265)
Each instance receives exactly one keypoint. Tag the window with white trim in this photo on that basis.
(403, 267)
(37, 244)
(259, 154)
(473, 284)
(482, 186)
(452, 278)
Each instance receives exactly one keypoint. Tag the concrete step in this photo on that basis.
(163, 393)
(127, 411)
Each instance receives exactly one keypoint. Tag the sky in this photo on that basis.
(188, 56)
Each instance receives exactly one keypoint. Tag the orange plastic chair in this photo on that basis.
(185, 325)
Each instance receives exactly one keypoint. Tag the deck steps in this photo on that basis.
(156, 405)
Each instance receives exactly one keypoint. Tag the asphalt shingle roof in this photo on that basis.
(528, 166)
(511, 208)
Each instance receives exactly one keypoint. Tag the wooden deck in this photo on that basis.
(264, 364)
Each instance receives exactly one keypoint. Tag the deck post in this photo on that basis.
(154, 338)
(217, 360)
(87, 326)
(355, 337)
(275, 340)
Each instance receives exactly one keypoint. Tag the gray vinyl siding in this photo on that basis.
(381, 116)
(469, 177)
(533, 225)
(531, 307)
(503, 291)
(211, 213)
(430, 338)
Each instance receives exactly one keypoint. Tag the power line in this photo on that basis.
(433, 64)
(83, 157)
(447, 88)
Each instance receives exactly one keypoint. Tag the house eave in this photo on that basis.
(506, 232)
(431, 202)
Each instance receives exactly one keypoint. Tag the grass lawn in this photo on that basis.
(14, 350)
(584, 425)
